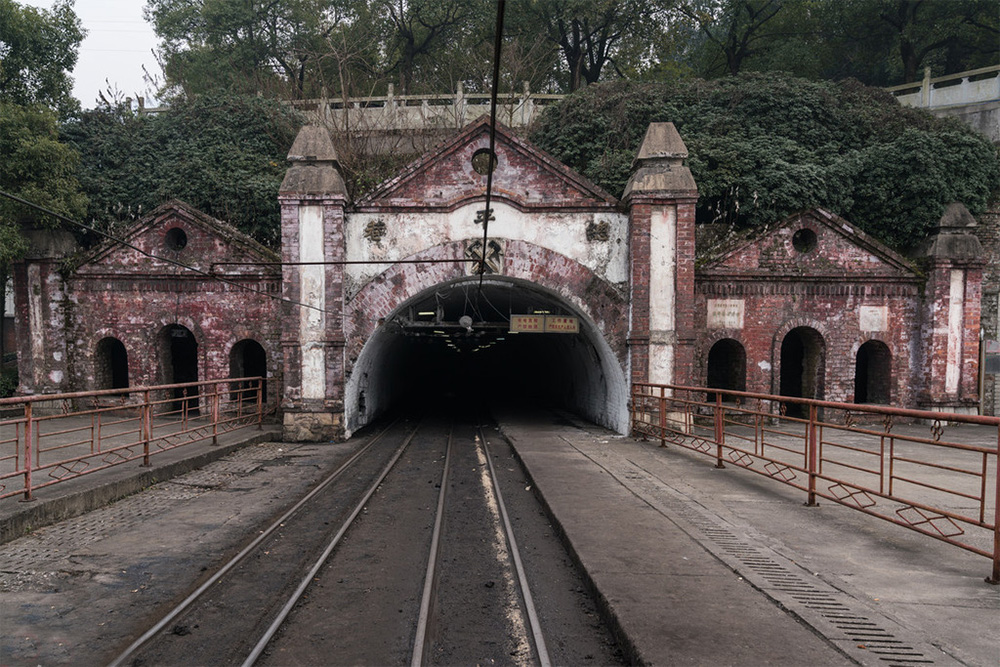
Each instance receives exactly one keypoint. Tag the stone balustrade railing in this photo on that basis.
(964, 88)
(422, 112)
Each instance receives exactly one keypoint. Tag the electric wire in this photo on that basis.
(497, 47)
(215, 276)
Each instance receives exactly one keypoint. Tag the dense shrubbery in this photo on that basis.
(223, 154)
(764, 146)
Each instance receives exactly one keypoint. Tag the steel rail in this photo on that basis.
(430, 578)
(529, 604)
(246, 551)
(321, 561)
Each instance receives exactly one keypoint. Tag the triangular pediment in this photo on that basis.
(525, 176)
(175, 236)
(812, 245)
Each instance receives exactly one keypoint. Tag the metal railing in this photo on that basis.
(48, 439)
(931, 472)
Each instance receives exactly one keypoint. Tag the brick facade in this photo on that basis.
(809, 306)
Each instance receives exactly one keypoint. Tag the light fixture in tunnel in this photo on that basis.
(466, 322)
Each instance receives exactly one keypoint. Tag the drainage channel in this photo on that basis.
(863, 634)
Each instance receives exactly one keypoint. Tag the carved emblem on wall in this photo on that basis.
(375, 230)
(493, 262)
(598, 231)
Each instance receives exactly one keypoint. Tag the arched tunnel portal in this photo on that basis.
(451, 346)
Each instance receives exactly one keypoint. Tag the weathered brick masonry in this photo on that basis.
(809, 306)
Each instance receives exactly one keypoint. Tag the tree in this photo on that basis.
(732, 27)
(591, 36)
(765, 146)
(222, 153)
(38, 49)
(242, 46)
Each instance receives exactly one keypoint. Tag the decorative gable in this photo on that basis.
(525, 176)
(814, 245)
(173, 236)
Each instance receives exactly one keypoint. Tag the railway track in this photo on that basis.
(404, 554)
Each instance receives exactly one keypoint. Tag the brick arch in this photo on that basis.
(779, 337)
(601, 302)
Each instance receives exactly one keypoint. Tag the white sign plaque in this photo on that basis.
(725, 313)
(873, 318)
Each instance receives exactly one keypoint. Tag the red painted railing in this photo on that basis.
(49, 439)
(935, 473)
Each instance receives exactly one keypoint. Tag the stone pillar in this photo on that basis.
(953, 258)
(661, 196)
(40, 313)
(313, 201)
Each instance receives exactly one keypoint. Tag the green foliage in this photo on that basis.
(8, 382)
(38, 49)
(223, 154)
(763, 147)
(37, 167)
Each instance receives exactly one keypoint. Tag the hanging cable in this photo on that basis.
(215, 276)
(182, 265)
(492, 161)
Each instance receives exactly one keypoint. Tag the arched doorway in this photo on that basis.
(727, 366)
(247, 359)
(179, 364)
(110, 364)
(426, 353)
(803, 359)
(873, 373)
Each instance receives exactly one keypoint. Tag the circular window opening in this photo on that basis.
(176, 238)
(481, 161)
(804, 240)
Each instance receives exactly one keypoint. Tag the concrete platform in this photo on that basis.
(87, 492)
(692, 565)
(696, 565)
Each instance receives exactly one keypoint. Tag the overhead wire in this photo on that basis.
(214, 276)
(491, 158)
(492, 162)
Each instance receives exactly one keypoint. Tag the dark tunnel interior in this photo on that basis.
(451, 350)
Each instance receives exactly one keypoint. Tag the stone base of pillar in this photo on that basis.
(312, 427)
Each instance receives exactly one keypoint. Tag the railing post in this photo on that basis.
(260, 404)
(663, 417)
(147, 427)
(813, 454)
(995, 576)
(29, 436)
(215, 414)
(720, 431)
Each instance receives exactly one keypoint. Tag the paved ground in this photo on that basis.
(694, 565)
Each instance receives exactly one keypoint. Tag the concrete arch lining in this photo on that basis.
(578, 372)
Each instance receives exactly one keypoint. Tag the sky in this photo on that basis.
(117, 46)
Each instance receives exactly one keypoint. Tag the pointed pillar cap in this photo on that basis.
(315, 166)
(659, 167)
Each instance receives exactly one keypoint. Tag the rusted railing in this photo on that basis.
(49, 439)
(932, 472)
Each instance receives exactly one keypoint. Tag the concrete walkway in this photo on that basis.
(693, 565)
(87, 492)
(697, 565)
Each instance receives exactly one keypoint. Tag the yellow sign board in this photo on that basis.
(544, 324)
(561, 324)
(527, 323)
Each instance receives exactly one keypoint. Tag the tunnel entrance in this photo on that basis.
(111, 364)
(873, 373)
(451, 347)
(727, 367)
(802, 363)
(179, 364)
(247, 359)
